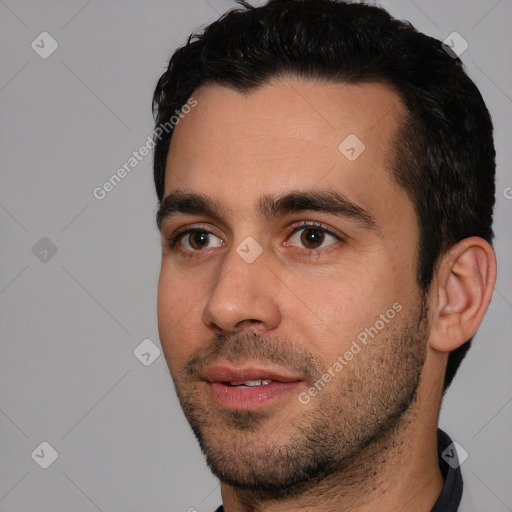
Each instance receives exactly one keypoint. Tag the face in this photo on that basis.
(288, 308)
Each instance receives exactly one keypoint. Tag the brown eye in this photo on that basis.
(313, 237)
(196, 240)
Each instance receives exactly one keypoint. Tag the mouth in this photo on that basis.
(246, 384)
(249, 387)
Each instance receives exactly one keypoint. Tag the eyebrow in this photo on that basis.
(335, 203)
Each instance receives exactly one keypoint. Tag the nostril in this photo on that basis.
(250, 325)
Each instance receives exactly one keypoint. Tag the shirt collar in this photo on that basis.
(451, 494)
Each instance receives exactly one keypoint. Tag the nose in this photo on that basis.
(244, 296)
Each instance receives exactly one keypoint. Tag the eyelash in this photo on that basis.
(174, 246)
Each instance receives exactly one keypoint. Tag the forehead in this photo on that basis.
(295, 111)
(288, 135)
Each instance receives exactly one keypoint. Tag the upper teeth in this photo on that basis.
(250, 383)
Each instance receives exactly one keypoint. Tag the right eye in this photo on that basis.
(194, 240)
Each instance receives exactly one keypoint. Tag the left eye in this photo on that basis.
(313, 237)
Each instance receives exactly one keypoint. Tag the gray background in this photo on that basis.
(70, 324)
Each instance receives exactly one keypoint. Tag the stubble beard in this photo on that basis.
(363, 407)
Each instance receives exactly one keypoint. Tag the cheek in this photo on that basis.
(330, 311)
(179, 317)
(327, 310)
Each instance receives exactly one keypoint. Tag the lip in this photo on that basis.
(230, 397)
(229, 373)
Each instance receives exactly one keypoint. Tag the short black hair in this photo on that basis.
(444, 156)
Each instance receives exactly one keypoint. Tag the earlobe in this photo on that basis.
(465, 281)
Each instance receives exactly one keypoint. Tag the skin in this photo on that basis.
(374, 425)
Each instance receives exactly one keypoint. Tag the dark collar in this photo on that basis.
(450, 496)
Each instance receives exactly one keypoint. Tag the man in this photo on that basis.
(326, 193)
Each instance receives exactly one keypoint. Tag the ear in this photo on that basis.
(466, 276)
